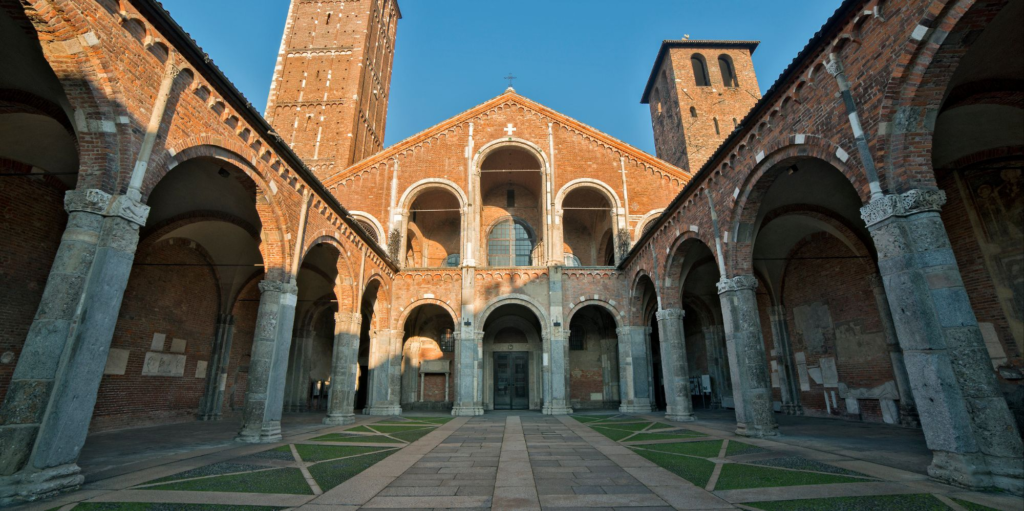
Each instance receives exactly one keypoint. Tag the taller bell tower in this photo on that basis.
(329, 96)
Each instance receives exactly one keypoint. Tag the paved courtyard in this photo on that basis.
(515, 461)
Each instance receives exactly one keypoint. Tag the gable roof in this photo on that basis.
(509, 96)
(690, 43)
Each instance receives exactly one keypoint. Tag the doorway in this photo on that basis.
(511, 380)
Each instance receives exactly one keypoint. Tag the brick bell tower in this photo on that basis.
(329, 96)
(698, 92)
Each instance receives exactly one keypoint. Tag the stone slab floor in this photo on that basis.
(514, 461)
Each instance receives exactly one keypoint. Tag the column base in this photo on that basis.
(339, 420)
(269, 433)
(680, 417)
(556, 410)
(27, 486)
(792, 409)
(753, 431)
(387, 410)
(638, 406)
(467, 411)
(909, 417)
(977, 471)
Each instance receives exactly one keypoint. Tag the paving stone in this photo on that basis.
(588, 490)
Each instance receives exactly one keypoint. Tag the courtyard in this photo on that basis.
(516, 460)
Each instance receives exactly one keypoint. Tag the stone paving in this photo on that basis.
(518, 461)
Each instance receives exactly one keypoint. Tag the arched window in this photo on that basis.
(700, 70)
(728, 71)
(656, 97)
(452, 261)
(369, 229)
(510, 243)
(572, 261)
(718, 130)
(693, 112)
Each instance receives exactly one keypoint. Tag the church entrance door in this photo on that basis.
(511, 380)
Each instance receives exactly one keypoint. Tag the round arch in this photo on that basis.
(515, 299)
(346, 293)
(400, 322)
(416, 189)
(370, 219)
(609, 308)
(651, 216)
(504, 143)
(586, 182)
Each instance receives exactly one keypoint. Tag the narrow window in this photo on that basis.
(510, 199)
(734, 123)
(328, 19)
(717, 130)
(693, 112)
(576, 339)
(700, 70)
(728, 72)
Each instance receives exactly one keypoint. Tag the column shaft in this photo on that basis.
(783, 353)
(967, 425)
(384, 375)
(714, 346)
(751, 386)
(344, 369)
(675, 371)
(633, 369)
(908, 410)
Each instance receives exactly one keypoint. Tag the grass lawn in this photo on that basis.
(661, 425)
(145, 506)
(209, 470)
(360, 429)
(411, 436)
(432, 420)
(971, 506)
(706, 449)
(614, 434)
(281, 480)
(397, 429)
(922, 502)
(637, 426)
(798, 463)
(695, 470)
(738, 477)
(736, 448)
(332, 473)
(591, 418)
(370, 439)
(675, 435)
(310, 452)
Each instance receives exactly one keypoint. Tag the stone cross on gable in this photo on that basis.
(510, 130)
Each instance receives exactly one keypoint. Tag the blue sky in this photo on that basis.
(588, 59)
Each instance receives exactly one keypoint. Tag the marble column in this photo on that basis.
(297, 387)
(217, 370)
(268, 366)
(751, 386)
(610, 369)
(469, 374)
(675, 372)
(384, 376)
(966, 422)
(344, 369)
(784, 357)
(556, 373)
(908, 410)
(46, 412)
(634, 380)
(714, 345)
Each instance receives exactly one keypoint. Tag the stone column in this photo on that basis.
(383, 373)
(468, 375)
(675, 371)
(411, 372)
(908, 410)
(967, 425)
(556, 374)
(217, 369)
(297, 386)
(610, 369)
(344, 369)
(783, 354)
(264, 396)
(751, 386)
(716, 364)
(45, 415)
(633, 370)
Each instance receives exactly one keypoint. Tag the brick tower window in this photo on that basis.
(728, 71)
(700, 70)
(693, 112)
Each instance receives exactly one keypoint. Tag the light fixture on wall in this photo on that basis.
(558, 323)
(468, 323)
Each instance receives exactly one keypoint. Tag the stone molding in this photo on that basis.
(276, 286)
(738, 283)
(102, 203)
(624, 331)
(902, 205)
(348, 318)
(669, 314)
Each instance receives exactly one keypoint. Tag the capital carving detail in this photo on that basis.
(902, 205)
(276, 286)
(737, 283)
(833, 65)
(102, 203)
(348, 318)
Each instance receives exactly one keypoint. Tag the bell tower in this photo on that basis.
(698, 92)
(329, 96)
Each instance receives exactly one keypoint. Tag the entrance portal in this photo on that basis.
(511, 380)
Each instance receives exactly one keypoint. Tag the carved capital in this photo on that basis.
(276, 286)
(89, 201)
(737, 283)
(902, 205)
(128, 209)
(833, 65)
(624, 331)
(348, 318)
(669, 314)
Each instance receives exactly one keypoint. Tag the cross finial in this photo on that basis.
(510, 78)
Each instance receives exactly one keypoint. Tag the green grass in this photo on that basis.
(625, 418)
(675, 435)
(210, 470)
(146, 506)
(310, 452)
(971, 506)
(625, 427)
(360, 429)
(661, 425)
(614, 434)
(432, 420)
(695, 470)
(281, 480)
(736, 448)
(332, 473)
(283, 448)
(921, 502)
(411, 436)
(706, 449)
(591, 418)
(737, 477)
(395, 429)
(341, 437)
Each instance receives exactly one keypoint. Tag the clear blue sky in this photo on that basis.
(588, 59)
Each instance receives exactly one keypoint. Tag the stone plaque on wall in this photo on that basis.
(117, 361)
(163, 364)
(814, 327)
(178, 345)
(158, 342)
(201, 369)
